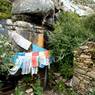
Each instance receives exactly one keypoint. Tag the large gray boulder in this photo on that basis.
(32, 6)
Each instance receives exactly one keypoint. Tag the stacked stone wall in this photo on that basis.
(84, 69)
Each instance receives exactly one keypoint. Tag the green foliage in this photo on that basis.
(69, 33)
(90, 23)
(4, 69)
(93, 92)
(6, 49)
(70, 91)
(5, 15)
(62, 89)
(5, 9)
(66, 70)
(27, 79)
(18, 91)
(37, 88)
(5, 54)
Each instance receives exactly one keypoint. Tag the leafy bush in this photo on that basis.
(66, 70)
(27, 79)
(69, 33)
(18, 91)
(5, 54)
(6, 49)
(37, 88)
(5, 9)
(90, 23)
(62, 89)
(92, 93)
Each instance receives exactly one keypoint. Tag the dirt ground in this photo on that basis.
(51, 92)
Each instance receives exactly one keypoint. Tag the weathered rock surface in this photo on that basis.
(32, 6)
(29, 92)
(83, 80)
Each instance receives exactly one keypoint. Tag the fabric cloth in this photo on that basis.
(34, 71)
(26, 67)
(35, 57)
(36, 48)
(18, 64)
(30, 61)
(42, 58)
(14, 57)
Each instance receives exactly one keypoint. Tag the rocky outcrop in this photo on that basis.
(32, 6)
(84, 73)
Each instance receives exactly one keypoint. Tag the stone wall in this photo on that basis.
(84, 71)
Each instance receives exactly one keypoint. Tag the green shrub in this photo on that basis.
(69, 33)
(6, 51)
(18, 91)
(90, 23)
(37, 88)
(66, 70)
(62, 89)
(27, 79)
(5, 15)
(5, 9)
(93, 92)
